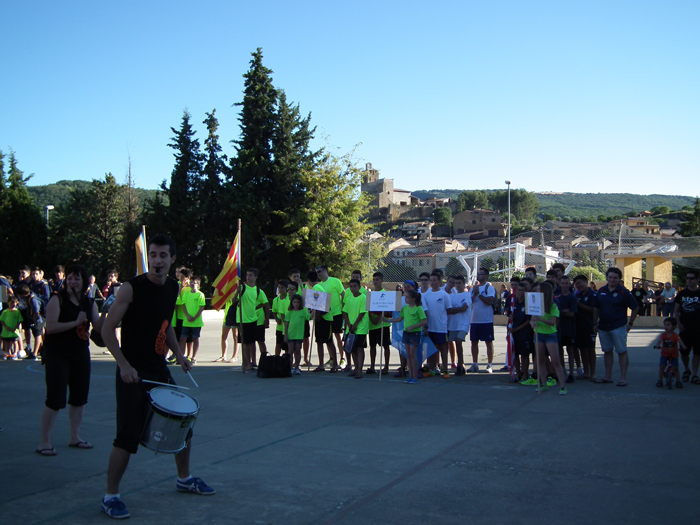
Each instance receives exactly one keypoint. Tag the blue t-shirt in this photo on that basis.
(613, 307)
(519, 317)
(567, 325)
(584, 320)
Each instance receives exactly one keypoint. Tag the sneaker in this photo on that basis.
(445, 374)
(529, 382)
(551, 381)
(562, 391)
(544, 388)
(473, 368)
(570, 379)
(171, 359)
(115, 508)
(504, 369)
(193, 361)
(453, 365)
(342, 363)
(14, 358)
(29, 356)
(408, 381)
(489, 369)
(413, 381)
(579, 371)
(329, 362)
(195, 485)
(297, 371)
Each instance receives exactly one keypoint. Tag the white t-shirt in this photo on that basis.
(483, 313)
(461, 320)
(435, 305)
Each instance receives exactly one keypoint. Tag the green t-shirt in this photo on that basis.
(333, 286)
(11, 318)
(354, 306)
(376, 326)
(193, 302)
(280, 307)
(545, 328)
(296, 320)
(180, 301)
(251, 298)
(412, 316)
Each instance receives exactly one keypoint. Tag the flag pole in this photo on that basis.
(239, 306)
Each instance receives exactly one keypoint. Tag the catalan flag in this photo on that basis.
(141, 249)
(227, 281)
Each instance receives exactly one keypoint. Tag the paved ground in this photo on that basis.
(322, 448)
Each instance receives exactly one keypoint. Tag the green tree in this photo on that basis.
(454, 267)
(523, 204)
(588, 271)
(487, 263)
(660, 210)
(472, 199)
(691, 226)
(443, 216)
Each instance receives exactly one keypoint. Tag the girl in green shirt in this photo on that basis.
(415, 320)
(547, 340)
(294, 323)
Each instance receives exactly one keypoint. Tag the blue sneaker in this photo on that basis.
(195, 485)
(115, 508)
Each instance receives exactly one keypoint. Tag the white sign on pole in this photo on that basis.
(534, 304)
(519, 255)
(384, 301)
(3, 293)
(316, 300)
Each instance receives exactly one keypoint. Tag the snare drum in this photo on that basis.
(172, 417)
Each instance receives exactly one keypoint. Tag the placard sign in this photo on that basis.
(384, 301)
(534, 304)
(3, 293)
(316, 300)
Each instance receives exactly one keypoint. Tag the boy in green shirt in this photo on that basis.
(252, 299)
(280, 306)
(193, 303)
(356, 322)
(11, 318)
(379, 332)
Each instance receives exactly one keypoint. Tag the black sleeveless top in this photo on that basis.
(145, 322)
(76, 339)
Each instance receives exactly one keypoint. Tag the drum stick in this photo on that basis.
(164, 384)
(192, 378)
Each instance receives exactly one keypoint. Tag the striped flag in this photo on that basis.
(227, 281)
(141, 249)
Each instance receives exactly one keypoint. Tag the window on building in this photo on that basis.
(420, 262)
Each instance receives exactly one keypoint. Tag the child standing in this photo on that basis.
(414, 319)
(192, 308)
(11, 318)
(669, 342)
(295, 319)
(280, 306)
(548, 342)
(356, 322)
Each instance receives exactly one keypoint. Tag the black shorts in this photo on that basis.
(248, 333)
(307, 330)
(133, 406)
(260, 333)
(338, 324)
(523, 347)
(360, 341)
(567, 341)
(585, 340)
(66, 370)
(375, 336)
(38, 328)
(279, 339)
(691, 342)
(323, 330)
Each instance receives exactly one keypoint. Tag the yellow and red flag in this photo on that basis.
(227, 281)
(141, 249)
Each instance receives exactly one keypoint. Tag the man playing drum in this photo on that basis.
(144, 307)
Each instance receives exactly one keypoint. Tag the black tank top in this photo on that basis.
(145, 323)
(76, 339)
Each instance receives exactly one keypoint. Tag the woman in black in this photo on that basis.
(66, 355)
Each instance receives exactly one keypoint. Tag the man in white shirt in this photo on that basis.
(437, 305)
(458, 322)
(483, 295)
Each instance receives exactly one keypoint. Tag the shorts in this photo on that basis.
(548, 338)
(133, 407)
(178, 328)
(456, 335)
(279, 339)
(66, 371)
(438, 338)
(307, 329)
(523, 347)
(411, 338)
(691, 342)
(567, 341)
(323, 330)
(665, 360)
(226, 325)
(585, 340)
(11, 339)
(38, 328)
(260, 333)
(616, 339)
(338, 324)
(191, 331)
(360, 342)
(375, 336)
(248, 332)
(481, 332)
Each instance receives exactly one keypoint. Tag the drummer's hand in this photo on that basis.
(129, 374)
(185, 364)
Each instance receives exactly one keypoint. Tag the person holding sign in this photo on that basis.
(376, 327)
(357, 323)
(414, 319)
(548, 342)
(329, 324)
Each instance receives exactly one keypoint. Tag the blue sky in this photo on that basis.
(595, 96)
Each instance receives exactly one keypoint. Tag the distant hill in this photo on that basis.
(59, 192)
(578, 205)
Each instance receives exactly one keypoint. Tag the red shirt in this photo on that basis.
(669, 345)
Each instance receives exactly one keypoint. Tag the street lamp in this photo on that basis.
(508, 183)
(48, 209)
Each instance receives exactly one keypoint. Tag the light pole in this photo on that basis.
(48, 209)
(508, 183)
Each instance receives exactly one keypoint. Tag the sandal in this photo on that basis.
(220, 359)
(80, 444)
(660, 383)
(695, 380)
(46, 451)
(686, 376)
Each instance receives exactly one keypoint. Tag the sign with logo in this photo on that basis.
(317, 300)
(534, 304)
(384, 301)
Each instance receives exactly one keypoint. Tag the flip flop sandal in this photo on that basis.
(686, 376)
(621, 383)
(81, 444)
(695, 380)
(46, 451)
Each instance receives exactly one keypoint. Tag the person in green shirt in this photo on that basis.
(379, 332)
(333, 320)
(280, 306)
(227, 328)
(251, 300)
(356, 322)
(295, 277)
(547, 340)
(295, 320)
(11, 319)
(193, 303)
(414, 318)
